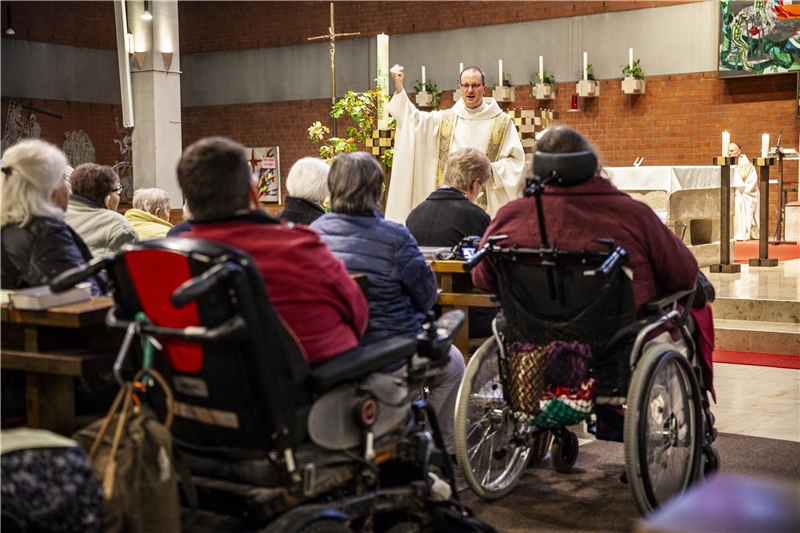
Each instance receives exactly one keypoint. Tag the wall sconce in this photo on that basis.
(139, 57)
(167, 57)
(9, 31)
(146, 15)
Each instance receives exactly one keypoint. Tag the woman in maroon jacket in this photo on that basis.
(576, 214)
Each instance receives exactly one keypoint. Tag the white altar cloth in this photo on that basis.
(669, 179)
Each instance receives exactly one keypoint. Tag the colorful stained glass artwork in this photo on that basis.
(264, 166)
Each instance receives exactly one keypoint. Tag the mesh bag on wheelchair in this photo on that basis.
(559, 322)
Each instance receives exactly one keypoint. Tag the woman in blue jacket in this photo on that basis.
(402, 287)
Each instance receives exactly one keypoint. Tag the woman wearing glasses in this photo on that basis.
(92, 211)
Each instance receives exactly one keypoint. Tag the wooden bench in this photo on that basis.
(52, 347)
(457, 292)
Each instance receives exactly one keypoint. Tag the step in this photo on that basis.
(783, 311)
(757, 336)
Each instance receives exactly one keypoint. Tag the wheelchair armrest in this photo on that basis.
(67, 280)
(656, 304)
(362, 361)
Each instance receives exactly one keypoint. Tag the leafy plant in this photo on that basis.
(635, 70)
(545, 77)
(362, 108)
(429, 88)
(589, 67)
(506, 79)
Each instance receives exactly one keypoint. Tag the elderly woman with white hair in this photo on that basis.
(307, 185)
(150, 213)
(37, 244)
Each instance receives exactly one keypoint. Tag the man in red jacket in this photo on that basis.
(309, 287)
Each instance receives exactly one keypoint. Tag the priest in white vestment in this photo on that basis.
(746, 197)
(424, 140)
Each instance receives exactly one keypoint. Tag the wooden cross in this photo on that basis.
(332, 35)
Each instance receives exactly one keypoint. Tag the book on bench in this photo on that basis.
(43, 298)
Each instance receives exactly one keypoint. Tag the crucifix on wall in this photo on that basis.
(332, 35)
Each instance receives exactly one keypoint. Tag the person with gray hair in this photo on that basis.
(307, 185)
(449, 214)
(37, 244)
(150, 213)
(402, 287)
(92, 210)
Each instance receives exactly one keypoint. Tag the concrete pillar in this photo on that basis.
(156, 140)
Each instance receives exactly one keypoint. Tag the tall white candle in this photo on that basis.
(423, 77)
(585, 74)
(460, 70)
(383, 80)
(630, 58)
(541, 68)
(765, 145)
(500, 66)
(726, 143)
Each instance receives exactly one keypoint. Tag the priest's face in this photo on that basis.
(734, 150)
(472, 88)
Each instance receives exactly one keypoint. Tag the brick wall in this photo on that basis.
(217, 26)
(87, 24)
(96, 120)
(677, 122)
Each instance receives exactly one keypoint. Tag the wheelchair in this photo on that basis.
(569, 344)
(277, 445)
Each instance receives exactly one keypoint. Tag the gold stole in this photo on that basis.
(744, 170)
(447, 127)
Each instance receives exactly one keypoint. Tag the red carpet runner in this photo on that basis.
(744, 251)
(757, 359)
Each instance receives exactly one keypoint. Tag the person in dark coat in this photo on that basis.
(37, 244)
(307, 185)
(449, 214)
(402, 286)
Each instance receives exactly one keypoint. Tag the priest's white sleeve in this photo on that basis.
(412, 174)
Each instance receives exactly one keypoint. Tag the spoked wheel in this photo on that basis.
(663, 429)
(564, 451)
(489, 441)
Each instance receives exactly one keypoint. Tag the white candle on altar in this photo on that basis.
(726, 144)
(765, 145)
(585, 74)
(541, 69)
(630, 58)
(383, 80)
(423, 77)
(500, 66)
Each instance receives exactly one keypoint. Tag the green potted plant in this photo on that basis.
(545, 87)
(362, 108)
(428, 94)
(634, 81)
(504, 92)
(589, 87)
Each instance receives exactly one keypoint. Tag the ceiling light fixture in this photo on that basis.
(146, 15)
(9, 31)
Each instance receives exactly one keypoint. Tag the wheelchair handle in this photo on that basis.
(619, 254)
(67, 280)
(481, 254)
(435, 340)
(196, 287)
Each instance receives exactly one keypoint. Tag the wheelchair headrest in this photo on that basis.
(565, 169)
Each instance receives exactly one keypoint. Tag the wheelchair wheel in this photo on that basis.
(489, 449)
(710, 460)
(663, 429)
(564, 452)
(326, 526)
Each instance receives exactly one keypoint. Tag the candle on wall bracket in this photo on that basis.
(587, 88)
